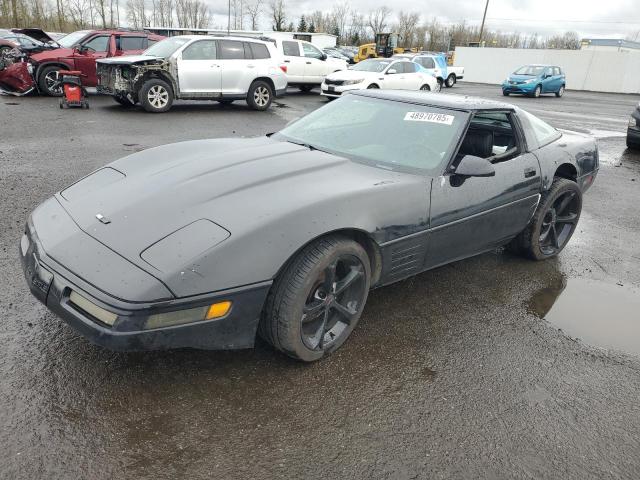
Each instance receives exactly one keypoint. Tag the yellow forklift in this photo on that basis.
(386, 46)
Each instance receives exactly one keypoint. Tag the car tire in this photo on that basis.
(451, 80)
(260, 95)
(316, 302)
(156, 95)
(425, 88)
(537, 92)
(46, 79)
(563, 201)
(506, 94)
(373, 86)
(305, 88)
(122, 101)
(560, 92)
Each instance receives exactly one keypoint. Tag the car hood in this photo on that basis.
(351, 75)
(238, 184)
(521, 78)
(128, 59)
(36, 34)
(52, 54)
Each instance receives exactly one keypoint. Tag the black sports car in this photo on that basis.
(205, 243)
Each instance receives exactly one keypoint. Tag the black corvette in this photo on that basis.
(206, 243)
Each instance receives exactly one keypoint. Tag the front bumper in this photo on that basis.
(335, 91)
(521, 88)
(52, 284)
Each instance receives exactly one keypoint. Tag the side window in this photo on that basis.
(231, 50)
(410, 67)
(131, 43)
(490, 135)
(548, 71)
(542, 131)
(291, 49)
(310, 51)
(200, 50)
(98, 44)
(427, 62)
(556, 71)
(259, 51)
(397, 66)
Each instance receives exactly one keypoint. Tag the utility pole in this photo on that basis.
(482, 26)
(229, 19)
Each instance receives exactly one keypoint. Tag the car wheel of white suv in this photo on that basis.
(260, 95)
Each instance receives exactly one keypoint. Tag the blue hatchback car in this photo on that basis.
(534, 80)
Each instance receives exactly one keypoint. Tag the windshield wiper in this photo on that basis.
(302, 144)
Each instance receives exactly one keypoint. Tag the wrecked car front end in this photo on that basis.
(16, 73)
(122, 77)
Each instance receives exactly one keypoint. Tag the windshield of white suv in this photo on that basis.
(371, 65)
(531, 70)
(166, 47)
(74, 38)
(386, 134)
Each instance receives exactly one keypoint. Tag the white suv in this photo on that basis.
(306, 65)
(196, 67)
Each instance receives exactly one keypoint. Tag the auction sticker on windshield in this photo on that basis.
(429, 117)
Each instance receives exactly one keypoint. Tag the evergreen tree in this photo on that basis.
(312, 28)
(302, 26)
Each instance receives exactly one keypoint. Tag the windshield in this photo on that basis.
(383, 133)
(165, 48)
(74, 38)
(531, 70)
(371, 65)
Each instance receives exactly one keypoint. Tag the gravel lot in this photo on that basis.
(451, 374)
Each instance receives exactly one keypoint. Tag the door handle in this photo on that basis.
(287, 61)
(214, 66)
(529, 172)
(308, 63)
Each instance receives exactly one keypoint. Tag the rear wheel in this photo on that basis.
(372, 86)
(48, 81)
(439, 85)
(451, 80)
(553, 223)
(425, 88)
(632, 145)
(560, 92)
(317, 301)
(156, 96)
(260, 95)
(505, 93)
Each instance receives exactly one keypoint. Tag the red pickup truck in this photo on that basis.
(80, 50)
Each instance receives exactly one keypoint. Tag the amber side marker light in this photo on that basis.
(218, 310)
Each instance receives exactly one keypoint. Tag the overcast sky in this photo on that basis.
(590, 18)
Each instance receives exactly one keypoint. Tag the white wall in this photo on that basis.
(598, 71)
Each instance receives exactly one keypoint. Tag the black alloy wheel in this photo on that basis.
(558, 223)
(334, 303)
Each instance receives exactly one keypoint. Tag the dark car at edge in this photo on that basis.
(633, 130)
(205, 244)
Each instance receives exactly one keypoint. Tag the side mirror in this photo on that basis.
(82, 49)
(323, 57)
(472, 166)
(391, 71)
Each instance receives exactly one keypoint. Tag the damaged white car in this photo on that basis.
(196, 67)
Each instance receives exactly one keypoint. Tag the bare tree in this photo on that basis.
(406, 28)
(340, 14)
(378, 19)
(253, 10)
(278, 15)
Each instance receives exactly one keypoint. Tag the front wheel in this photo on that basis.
(553, 223)
(560, 92)
(451, 80)
(425, 88)
(156, 96)
(48, 82)
(315, 304)
(505, 93)
(260, 95)
(537, 91)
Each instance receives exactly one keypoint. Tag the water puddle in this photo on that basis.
(598, 313)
